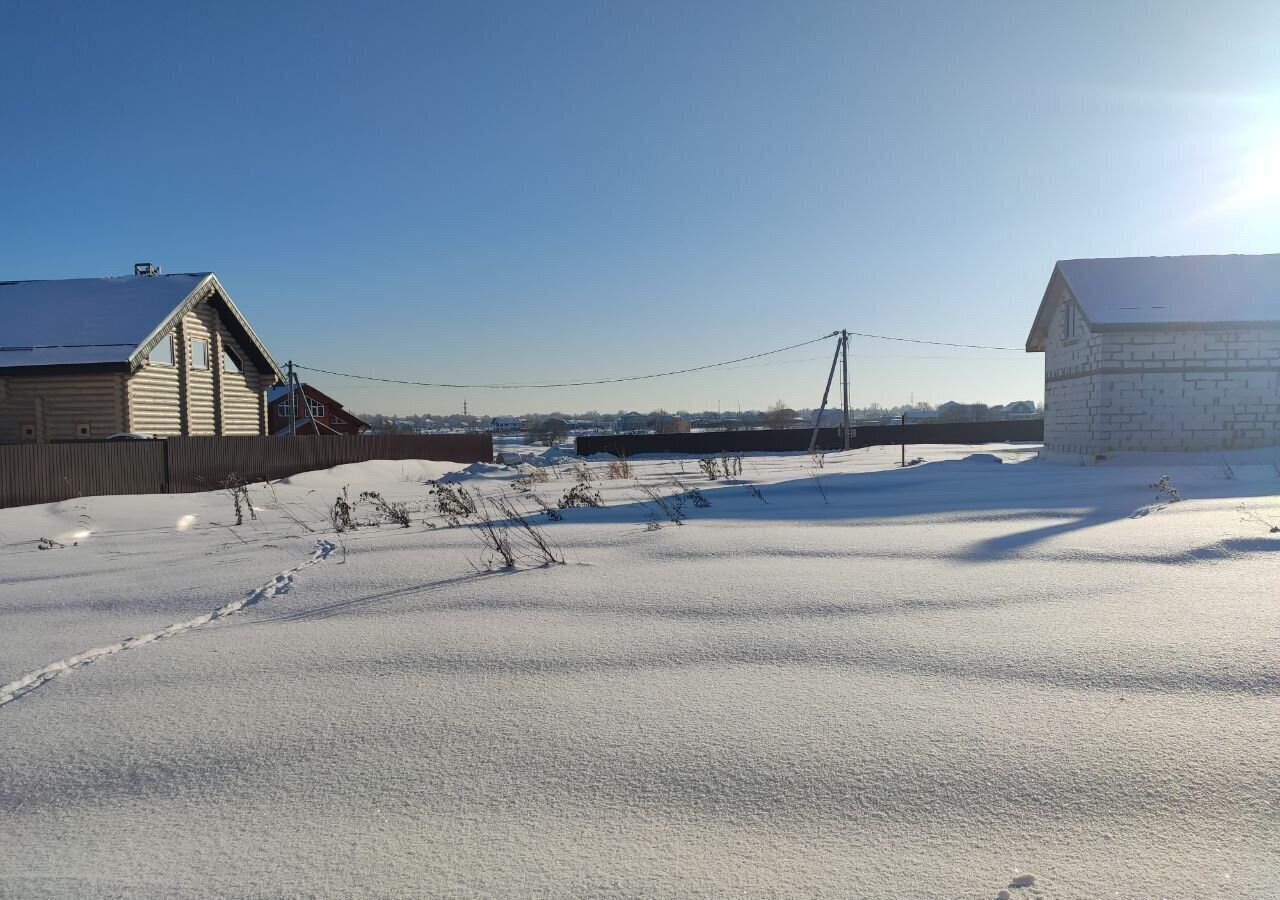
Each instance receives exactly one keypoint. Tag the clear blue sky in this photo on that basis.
(524, 192)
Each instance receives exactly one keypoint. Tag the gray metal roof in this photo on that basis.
(1154, 291)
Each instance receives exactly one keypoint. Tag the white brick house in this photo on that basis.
(1169, 353)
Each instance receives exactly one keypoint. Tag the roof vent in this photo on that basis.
(146, 269)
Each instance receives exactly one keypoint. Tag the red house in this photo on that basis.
(318, 413)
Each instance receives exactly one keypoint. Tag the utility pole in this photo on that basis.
(464, 407)
(844, 344)
(293, 399)
(817, 419)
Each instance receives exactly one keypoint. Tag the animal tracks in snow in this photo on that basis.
(279, 584)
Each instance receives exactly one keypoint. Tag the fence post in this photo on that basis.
(168, 478)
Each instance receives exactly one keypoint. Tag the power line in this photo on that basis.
(564, 384)
(730, 362)
(884, 337)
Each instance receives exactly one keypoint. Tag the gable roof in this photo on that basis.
(1154, 292)
(280, 391)
(107, 322)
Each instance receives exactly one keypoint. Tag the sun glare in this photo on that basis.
(1256, 184)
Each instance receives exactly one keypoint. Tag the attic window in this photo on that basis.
(199, 353)
(316, 408)
(231, 361)
(162, 353)
(1070, 321)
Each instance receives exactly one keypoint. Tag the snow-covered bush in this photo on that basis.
(671, 507)
(525, 535)
(238, 490)
(396, 512)
(454, 503)
(694, 495)
(529, 477)
(340, 513)
(620, 467)
(1165, 486)
(494, 537)
(581, 494)
(552, 514)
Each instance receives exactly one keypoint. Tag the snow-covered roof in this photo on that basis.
(85, 320)
(1163, 291)
(100, 321)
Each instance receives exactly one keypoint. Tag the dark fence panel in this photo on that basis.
(798, 438)
(45, 473)
(201, 463)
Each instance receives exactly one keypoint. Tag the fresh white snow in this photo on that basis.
(952, 680)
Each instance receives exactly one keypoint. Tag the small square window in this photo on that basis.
(83, 431)
(199, 353)
(162, 353)
(28, 432)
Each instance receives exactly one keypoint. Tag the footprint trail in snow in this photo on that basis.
(279, 584)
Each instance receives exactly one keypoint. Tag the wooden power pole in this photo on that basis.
(293, 399)
(844, 345)
(817, 419)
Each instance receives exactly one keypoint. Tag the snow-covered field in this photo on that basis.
(945, 681)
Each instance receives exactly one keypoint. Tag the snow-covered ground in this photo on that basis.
(945, 681)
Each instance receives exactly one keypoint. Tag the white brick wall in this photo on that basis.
(1161, 390)
(1071, 394)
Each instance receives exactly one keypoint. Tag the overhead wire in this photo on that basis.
(703, 368)
(885, 337)
(563, 384)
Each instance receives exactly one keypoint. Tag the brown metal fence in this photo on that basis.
(46, 473)
(791, 439)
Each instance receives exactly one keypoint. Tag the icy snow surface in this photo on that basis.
(864, 682)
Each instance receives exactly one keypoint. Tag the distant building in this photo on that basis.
(951, 411)
(507, 424)
(632, 421)
(666, 423)
(921, 416)
(1020, 409)
(318, 413)
(1160, 353)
